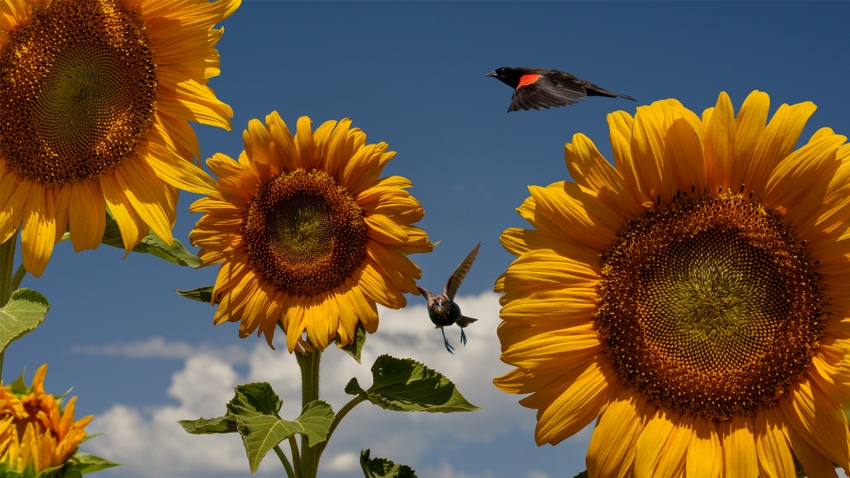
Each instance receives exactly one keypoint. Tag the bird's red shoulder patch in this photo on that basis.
(528, 79)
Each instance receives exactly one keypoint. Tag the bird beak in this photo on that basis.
(492, 73)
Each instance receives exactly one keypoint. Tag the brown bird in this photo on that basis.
(442, 309)
(543, 87)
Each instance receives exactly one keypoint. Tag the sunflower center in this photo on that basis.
(710, 307)
(305, 234)
(78, 85)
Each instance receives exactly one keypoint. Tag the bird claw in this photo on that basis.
(462, 337)
(446, 340)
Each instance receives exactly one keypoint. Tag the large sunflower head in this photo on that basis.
(308, 233)
(35, 429)
(691, 297)
(95, 99)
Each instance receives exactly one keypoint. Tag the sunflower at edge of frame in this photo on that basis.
(96, 98)
(690, 297)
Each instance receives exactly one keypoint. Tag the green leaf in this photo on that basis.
(176, 253)
(21, 315)
(383, 468)
(583, 474)
(262, 433)
(255, 408)
(254, 399)
(253, 412)
(406, 385)
(207, 426)
(356, 345)
(87, 463)
(201, 294)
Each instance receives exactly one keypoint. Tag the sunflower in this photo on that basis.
(95, 99)
(35, 429)
(307, 233)
(692, 298)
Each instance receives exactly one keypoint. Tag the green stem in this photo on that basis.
(7, 260)
(296, 457)
(309, 364)
(282, 457)
(8, 282)
(338, 418)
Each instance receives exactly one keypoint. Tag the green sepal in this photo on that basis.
(7, 471)
(201, 294)
(21, 315)
(253, 413)
(356, 345)
(81, 463)
(75, 467)
(176, 253)
(583, 474)
(406, 385)
(383, 468)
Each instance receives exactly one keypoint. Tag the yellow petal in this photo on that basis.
(87, 215)
(38, 234)
(705, 456)
(611, 451)
(719, 145)
(774, 455)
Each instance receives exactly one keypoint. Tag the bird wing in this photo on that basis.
(544, 90)
(460, 272)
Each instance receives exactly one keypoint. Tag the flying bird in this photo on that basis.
(442, 308)
(543, 87)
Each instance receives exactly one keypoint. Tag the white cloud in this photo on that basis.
(158, 347)
(445, 470)
(151, 443)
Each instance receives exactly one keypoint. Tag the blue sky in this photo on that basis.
(412, 74)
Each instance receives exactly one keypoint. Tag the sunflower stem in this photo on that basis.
(296, 457)
(338, 418)
(8, 282)
(308, 361)
(289, 472)
(7, 259)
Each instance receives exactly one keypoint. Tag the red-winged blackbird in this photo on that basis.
(442, 309)
(543, 87)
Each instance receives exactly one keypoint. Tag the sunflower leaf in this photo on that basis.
(201, 294)
(176, 253)
(204, 426)
(383, 468)
(262, 432)
(253, 412)
(406, 385)
(356, 345)
(21, 315)
(88, 463)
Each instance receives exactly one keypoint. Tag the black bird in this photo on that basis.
(543, 87)
(442, 308)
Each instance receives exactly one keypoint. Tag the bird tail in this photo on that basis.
(593, 90)
(463, 321)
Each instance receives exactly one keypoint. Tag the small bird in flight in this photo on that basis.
(442, 308)
(543, 87)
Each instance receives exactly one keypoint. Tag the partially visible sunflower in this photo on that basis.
(692, 298)
(35, 429)
(308, 234)
(95, 99)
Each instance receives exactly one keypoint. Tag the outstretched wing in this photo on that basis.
(460, 272)
(547, 89)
